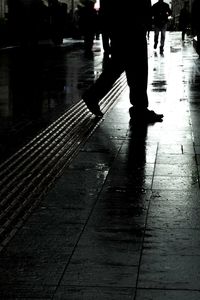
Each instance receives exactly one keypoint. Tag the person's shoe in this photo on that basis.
(151, 116)
(94, 108)
(145, 116)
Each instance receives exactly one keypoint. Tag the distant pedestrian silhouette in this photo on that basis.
(104, 15)
(160, 13)
(184, 20)
(127, 28)
(56, 21)
(88, 22)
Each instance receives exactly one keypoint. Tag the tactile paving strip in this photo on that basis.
(27, 175)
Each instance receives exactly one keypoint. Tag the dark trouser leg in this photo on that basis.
(183, 34)
(103, 84)
(88, 41)
(198, 43)
(137, 74)
(163, 33)
(156, 35)
(106, 42)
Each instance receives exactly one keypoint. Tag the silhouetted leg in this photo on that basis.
(162, 40)
(156, 34)
(183, 34)
(137, 77)
(88, 42)
(137, 74)
(106, 42)
(103, 84)
(198, 43)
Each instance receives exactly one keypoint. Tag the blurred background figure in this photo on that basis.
(57, 21)
(184, 20)
(75, 22)
(196, 24)
(160, 14)
(88, 22)
(104, 26)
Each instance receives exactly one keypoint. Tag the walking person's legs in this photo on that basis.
(162, 38)
(198, 43)
(103, 84)
(134, 61)
(106, 42)
(88, 42)
(137, 76)
(136, 67)
(183, 33)
(156, 34)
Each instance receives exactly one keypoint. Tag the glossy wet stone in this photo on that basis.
(165, 241)
(175, 170)
(168, 272)
(122, 219)
(174, 209)
(29, 291)
(164, 294)
(88, 272)
(175, 183)
(89, 293)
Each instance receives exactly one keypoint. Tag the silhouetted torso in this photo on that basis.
(124, 18)
(161, 11)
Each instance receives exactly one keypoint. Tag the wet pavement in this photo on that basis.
(121, 220)
(38, 85)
